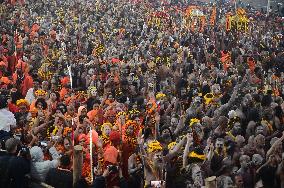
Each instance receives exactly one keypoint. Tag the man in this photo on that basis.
(245, 172)
(30, 97)
(218, 156)
(13, 168)
(61, 176)
(7, 118)
(267, 172)
(22, 79)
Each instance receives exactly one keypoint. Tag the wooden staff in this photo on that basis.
(77, 163)
(91, 154)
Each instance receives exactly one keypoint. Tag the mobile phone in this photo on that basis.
(43, 144)
(55, 137)
(156, 184)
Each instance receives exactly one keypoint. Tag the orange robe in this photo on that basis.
(26, 84)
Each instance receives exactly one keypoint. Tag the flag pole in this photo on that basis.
(268, 7)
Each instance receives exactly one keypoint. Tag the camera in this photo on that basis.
(112, 168)
(56, 138)
(24, 152)
(157, 184)
(43, 144)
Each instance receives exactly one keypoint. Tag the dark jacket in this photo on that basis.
(13, 170)
(58, 178)
(100, 182)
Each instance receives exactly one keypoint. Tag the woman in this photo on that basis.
(53, 100)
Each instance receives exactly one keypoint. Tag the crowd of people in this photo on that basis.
(142, 96)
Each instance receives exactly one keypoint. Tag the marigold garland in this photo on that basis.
(154, 146)
(66, 131)
(195, 155)
(208, 98)
(40, 92)
(172, 145)
(22, 102)
(193, 121)
(160, 96)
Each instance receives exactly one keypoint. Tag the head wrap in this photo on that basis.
(114, 136)
(80, 110)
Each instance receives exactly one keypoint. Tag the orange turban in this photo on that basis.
(95, 137)
(114, 136)
(65, 80)
(91, 115)
(5, 80)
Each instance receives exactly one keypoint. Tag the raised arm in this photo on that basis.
(186, 149)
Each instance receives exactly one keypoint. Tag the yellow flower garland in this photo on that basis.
(154, 146)
(22, 101)
(40, 92)
(195, 155)
(160, 96)
(208, 98)
(193, 121)
(172, 145)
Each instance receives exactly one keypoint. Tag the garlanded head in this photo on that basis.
(208, 98)
(133, 112)
(92, 91)
(41, 104)
(130, 127)
(22, 104)
(154, 146)
(106, 129)
(193, 121)
(40, 93)
(119, 114)
(67, 131)
(160, 96)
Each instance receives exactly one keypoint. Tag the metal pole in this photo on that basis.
(268, 7)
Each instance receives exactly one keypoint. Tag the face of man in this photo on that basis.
(183, 92)
(130, 130)
(259, 130)
(107, 130)
(227, 182)
(216, 89)
(199, 130)
(219, 144)
(174, 122)
(257, 159)
(259, 140)
(67, 144)
(244, 160)
(157, 158)
(239, 181)
(237, 129)
(197, 176)
(36, 85)
(166, 134)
